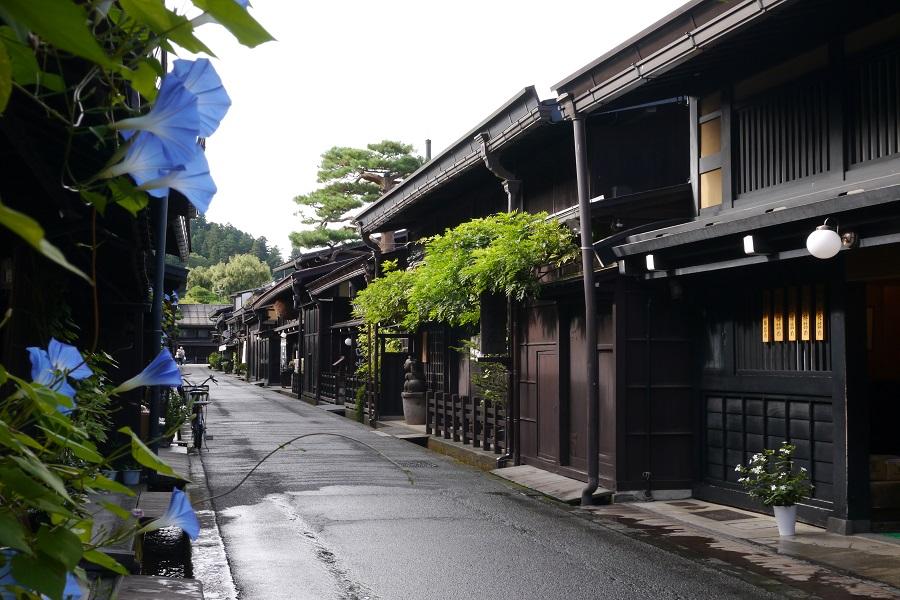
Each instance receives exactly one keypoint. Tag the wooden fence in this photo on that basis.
(474, 421)
(338, 388)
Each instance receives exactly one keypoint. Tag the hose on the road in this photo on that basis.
(408, 473)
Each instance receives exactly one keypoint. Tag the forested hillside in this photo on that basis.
(213, 243)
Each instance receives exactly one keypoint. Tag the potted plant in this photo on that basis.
(176, 415)
(131, 474)
(771, 477)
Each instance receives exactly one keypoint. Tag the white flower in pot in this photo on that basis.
(771, 477)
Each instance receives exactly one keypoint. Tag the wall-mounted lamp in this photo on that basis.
(651, 262)
(825, 242)
(753, 245)
(348, 342)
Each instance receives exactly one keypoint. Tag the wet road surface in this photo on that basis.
(327, 518)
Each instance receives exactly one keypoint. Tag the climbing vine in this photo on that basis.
(501, 254)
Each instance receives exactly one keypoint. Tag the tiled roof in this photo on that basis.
(197, 314)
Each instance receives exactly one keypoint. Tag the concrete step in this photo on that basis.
(558, 487)
(147, 587)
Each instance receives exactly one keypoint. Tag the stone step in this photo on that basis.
(148, 587)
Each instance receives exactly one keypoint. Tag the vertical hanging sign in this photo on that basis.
(820, 313)
(767, 302)
(792, 314)
(805, 304)
(778, 315)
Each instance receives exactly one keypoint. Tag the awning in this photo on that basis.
(348, 324)
(289, 326)
(779, 229)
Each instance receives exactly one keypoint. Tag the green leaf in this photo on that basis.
(61, 23)
(12, 533)
(31, 231)
(60, 544)
(105, 561)
(95, 199)
(5, 77)
(117, 510)
(145, 456)
(165, 23)
(25, 69)
(143, 79)
(127, 196)
(82, 451)
(31, 492)
(39, 573)
(237, 20)
(39, 470)
(104, 483)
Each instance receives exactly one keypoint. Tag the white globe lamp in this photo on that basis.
(824, 242)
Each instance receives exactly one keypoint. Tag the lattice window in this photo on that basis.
(873, 108)
(782, 137)
(784, 329)
(435, 365)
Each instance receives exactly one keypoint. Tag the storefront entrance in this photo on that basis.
(883, 390)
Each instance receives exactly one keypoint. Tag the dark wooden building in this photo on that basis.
(196, 331)
(47, 301)
(793, 119)
(715, 142)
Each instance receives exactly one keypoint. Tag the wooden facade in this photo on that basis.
(786, 346)
(711, 155)
(46, 300)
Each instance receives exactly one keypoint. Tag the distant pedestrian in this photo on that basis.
(179, 355)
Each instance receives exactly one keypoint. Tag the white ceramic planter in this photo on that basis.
(786, 517)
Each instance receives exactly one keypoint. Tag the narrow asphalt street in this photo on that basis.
(328, 518)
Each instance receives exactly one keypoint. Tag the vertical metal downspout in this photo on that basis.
(159, 277)
(590, 310)
(511, 405)
(159, 240)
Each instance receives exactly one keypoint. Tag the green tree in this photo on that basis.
(240, 272)
(351, 178)
(202, 295)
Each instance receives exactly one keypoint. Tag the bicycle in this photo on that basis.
(197, 397)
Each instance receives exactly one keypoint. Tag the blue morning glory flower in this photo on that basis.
(174, 119)
(144, 160)
(72, 591)
(179, 514)
(194, 181)
(67, 358)
(53, 367)
(162, 370)
(201, 79)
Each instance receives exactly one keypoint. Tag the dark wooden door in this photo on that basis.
(392, 377)
(539, 418)
(309, 353)
(656, 394)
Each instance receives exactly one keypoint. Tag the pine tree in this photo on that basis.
(351, 178)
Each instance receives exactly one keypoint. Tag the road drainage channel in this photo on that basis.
(166, 552)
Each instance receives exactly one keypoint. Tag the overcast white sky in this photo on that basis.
(350, 73)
